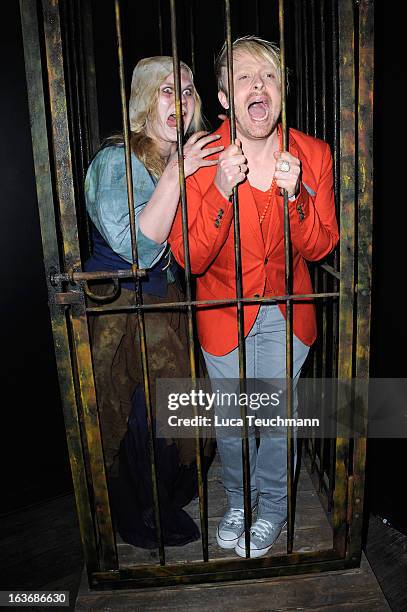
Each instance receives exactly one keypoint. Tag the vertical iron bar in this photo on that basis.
(288, 290)
(77, 314)
(336, 165)
(335, 96)
(257, 17)
(317, 345)
(314, 67)
(192, 33)
(305, 126)
(323, 381)
(298, 62)
(87, 398)
(324, 273)
(191, 344)
(306, 66)
(314, 118)
(88, 76)
(140, 314)
(75, 103)
(300, 95)
(160, 26)
(347, 252)
(239, 289)
(32, 58)
(126, 134)
(297, 66)
(77, 115)
(364, 266)
(323, 67)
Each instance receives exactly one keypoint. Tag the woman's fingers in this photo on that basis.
(201, 139)
(196, 150)
(196, 136)
(202, 142)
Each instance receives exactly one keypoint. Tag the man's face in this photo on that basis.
(257, 95)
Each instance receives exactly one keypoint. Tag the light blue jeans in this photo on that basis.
(265, 359)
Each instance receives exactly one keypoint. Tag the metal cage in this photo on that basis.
(330, 42)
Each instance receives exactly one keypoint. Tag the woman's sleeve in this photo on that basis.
(107, 204)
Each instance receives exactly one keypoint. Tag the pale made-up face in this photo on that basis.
(257, 94)
(162, 127)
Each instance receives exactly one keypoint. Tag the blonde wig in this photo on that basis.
(258, 47)
(148, 75)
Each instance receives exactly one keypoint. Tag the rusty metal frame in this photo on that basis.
(70, 326)
(352, 144)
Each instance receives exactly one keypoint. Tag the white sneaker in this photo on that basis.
(230, 528)
(263, 535)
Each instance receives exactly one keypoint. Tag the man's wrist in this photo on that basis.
(295, 195)
(222, 193)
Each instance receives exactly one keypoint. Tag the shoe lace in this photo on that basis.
(235, 517)
(261, 529)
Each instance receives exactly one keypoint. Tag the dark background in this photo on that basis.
(34, 461)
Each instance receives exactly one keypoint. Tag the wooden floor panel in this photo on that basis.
(40, 549)
(312, 529)
(348, 590)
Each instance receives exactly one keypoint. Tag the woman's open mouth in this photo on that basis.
(258, 110)
(172, 121)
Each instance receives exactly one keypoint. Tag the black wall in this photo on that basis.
(386, 458)
(34, 462)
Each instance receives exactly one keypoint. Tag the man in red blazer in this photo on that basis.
(257, 163)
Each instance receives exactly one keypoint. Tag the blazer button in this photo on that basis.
(257, 295)
(266, 261)
(217, 223)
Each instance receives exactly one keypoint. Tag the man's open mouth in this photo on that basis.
(258, 110)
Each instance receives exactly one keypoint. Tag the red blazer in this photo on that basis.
(314, 233)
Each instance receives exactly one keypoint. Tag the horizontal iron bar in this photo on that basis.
(75, 277)
(331, 270)
(231, 301)
(221, 570)
(68, 298)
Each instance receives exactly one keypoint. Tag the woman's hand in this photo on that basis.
(195, 153)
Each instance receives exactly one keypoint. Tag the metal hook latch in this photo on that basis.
(107, 296)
